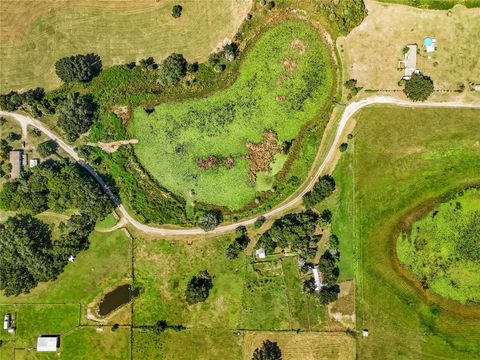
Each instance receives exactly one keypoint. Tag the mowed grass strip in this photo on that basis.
(284, 80)
(404, 157)
(35, 34)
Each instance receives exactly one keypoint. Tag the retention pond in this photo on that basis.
(116, 298)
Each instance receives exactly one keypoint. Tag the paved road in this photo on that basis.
(349, 111)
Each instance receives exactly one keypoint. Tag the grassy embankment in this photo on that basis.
(283, 81)
(403, 158)
(440, 248)
(35, 35)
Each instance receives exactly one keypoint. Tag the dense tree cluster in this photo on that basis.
(29, 256)
(347, 14)
(32, 100)
(268, 351)
(209, 220)
(47, 148)
(78, 68)
(55, 185)
(239, 244)
(198, 288)
(76, 115)
(296, 231)
(419, 87)
(468, 244)
(324, 187)
(172, 69)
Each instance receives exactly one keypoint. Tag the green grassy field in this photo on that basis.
(284, 80)
(423, 154)
(436, 4)
(34, 35)
(433, 252)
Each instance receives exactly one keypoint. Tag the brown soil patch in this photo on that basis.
(122, 111)
(261, 155)
(113, 146)
(299, 45)
(289, 64)
(214, 162)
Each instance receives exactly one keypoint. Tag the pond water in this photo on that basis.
(116, 298)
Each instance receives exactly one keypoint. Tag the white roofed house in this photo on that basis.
(410, 62)
(47, 343)
(260, 253)
(318, 278)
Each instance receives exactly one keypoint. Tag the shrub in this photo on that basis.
(268, 351)
(78, 68)
(209, 220)
(173, 69)
(343, 147)
(237, 246)
(177, 11)
(419, 87)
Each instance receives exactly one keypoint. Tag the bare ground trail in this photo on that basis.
(347, 115)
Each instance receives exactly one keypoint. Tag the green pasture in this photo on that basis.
(163, 269)
(436, 4)
(188, 344)
(404, 157)
(284, 80)
(431, 251)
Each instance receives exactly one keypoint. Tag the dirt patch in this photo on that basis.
(299, 45)
(214, 162)
(289, 64)
(261, 155)
(342, 311)
(123, 112)
(113, 146)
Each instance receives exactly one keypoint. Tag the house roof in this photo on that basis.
(410, 60)
(318, 277)
(16, 162)
(47, 343)
(260, 253)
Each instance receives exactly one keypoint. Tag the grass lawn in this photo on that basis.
(163, 269)
(34, 35)
(437, 4)
(432, 249)
(371, 52)
(403, 158)
(299, 346)
(187, 344)
(284, 80)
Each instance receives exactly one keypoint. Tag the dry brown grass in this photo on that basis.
(34, 34)
(371, 52)
(303, 346)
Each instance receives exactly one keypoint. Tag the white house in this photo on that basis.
(318, 277)
(410, 62)
(47, 343)
(6, 322)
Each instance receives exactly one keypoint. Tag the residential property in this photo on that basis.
(318, 278)
(429, 44)
(7, 322)
(260, 253)
(16, 161)
(410, 62)
(34, 162)
(47, 343)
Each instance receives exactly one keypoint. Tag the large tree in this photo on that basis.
(268, 351)
(78, 68)
(76, 115)
(26, 255)
(419, 87)
(199, 288)
(322, 189)
(209, 220)
(173, 69)
(47, 148)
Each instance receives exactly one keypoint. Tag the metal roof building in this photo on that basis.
(47, 343)
(410, 62)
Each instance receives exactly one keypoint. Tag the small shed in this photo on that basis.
(260, 253)
(34, 162)
(47, 343)
(410, 61)
(365, 332)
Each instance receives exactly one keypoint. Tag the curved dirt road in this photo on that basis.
(349, 111)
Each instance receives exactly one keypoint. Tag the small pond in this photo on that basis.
(116, 298)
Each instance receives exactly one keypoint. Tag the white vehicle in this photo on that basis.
(6, 322)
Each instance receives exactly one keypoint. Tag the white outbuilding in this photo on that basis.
(47, 343)
(260, 253)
